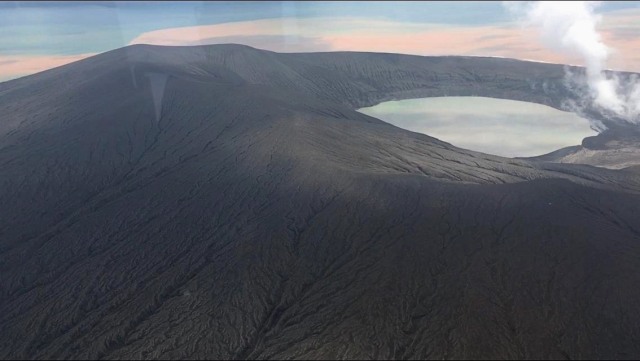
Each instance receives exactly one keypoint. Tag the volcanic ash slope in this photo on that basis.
(228, 202)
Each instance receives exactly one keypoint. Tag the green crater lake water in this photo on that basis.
(502, 127)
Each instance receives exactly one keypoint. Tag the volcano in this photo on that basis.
(228, 202)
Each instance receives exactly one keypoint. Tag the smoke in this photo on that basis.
(570, 27)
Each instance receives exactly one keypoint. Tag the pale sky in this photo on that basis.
(35, 36)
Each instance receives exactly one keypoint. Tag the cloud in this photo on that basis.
(279, 43)
(348, 34)
(14, 66)
(359, 34)
(297, 34)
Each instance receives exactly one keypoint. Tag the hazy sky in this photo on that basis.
(38, 35)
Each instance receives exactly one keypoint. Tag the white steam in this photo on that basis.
(571, 27)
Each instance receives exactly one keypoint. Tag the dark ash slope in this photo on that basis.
(261, 216)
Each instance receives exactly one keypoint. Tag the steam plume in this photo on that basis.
(571, 27)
